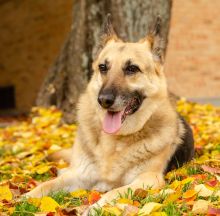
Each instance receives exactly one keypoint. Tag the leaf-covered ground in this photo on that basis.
(24, 146)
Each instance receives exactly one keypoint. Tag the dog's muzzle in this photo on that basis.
(106, 98)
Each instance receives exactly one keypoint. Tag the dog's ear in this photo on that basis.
(156, 41)
(108, 32)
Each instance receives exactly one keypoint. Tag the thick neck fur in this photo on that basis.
(162, 116)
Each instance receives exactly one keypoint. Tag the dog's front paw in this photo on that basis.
(35, 193)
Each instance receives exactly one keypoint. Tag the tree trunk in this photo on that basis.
(72, 69)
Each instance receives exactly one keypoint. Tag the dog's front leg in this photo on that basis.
(148, 179)
(65, 181)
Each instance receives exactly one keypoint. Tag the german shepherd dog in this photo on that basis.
(129, 133)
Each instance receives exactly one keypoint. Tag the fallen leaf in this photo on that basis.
(190, 193)
(140, 193)
(200, 206)
(172, 197)
(94, 196)
(149, 208)
(213, 211)
(125, 201)
(203, 191)
(214, 170)
(35, 201)
(48, 204)
(136, 203)
(79, 193)
(187, 180)
(130, 210)
(112, 210)
(175, 184)
(5, 193)
(212, 183)
(158, 214)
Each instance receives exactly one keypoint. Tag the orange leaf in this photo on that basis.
(190, 193)
(94, 196)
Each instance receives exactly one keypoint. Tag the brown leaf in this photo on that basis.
(140, 193)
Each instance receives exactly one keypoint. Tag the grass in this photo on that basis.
(97, 212)
(186, 187)
(62, 197)
(193, 170)
(171, 209)
(129, 194)
(24, 208)
(41, 177)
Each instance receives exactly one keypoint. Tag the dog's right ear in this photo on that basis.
(156, 41)
(108, 32)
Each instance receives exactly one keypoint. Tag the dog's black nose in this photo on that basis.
(106, 98)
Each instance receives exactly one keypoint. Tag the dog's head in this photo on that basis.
(128, 81)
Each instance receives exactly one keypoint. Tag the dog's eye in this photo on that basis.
(103, 68)
(132, 69)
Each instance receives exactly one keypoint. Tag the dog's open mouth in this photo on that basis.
(113, 120)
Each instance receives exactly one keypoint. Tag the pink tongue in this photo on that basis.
(112, 122)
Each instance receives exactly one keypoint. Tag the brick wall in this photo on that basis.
(193, 57)
(32, 34)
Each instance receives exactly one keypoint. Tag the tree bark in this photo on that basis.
(72, 69)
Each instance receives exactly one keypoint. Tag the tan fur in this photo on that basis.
(64, 154)
(138, 153)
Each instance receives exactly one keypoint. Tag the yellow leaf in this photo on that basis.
(158, 214)
(125, 201)
(172, 197)
(35, 201)
(48, 204)
(210, 188)
(5, 193)
(111, 210)
(175, 184)
(42, 169)
(187, 180)
(79, 193)
(149, 208)
(11, 210)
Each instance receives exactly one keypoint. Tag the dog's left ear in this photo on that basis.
(156, 41)
(108, 32)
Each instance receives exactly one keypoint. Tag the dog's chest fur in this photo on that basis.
(111, 165)
(108, 161)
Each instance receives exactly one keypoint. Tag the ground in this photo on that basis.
(25, 144)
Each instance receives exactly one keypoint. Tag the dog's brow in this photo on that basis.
(127, 63)
(107, 63)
